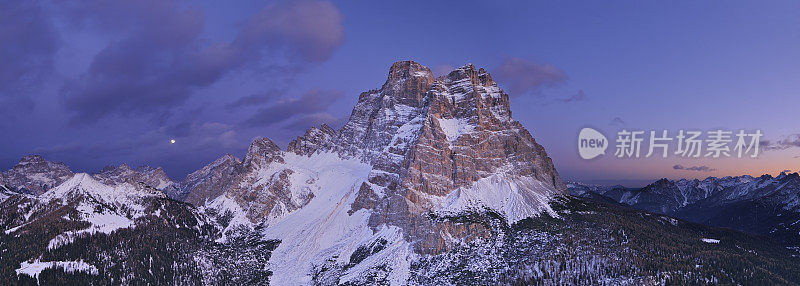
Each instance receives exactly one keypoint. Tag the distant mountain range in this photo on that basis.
(430, 182)
(762, 205)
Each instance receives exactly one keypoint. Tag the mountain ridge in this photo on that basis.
(430, 181)
(418, 145)
(764, 205)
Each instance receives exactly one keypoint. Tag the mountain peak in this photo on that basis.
(208, 182)
(313, 140)
(35, 175)
(407, 83)
(153, 177)
(226, 158)
(661, 183)
(32, 158)
(478, 77)
(78, 182)
(407, 69)
(35, 161)
(97, 194)
(261, 152)
(80, 179)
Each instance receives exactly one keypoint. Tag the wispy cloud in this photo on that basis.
(313, 103)
(579, 96)
(160, 57)
(694, 168)
(254, 99)
(28, 44)
(617, 121)
(793, 140)
(522, 77)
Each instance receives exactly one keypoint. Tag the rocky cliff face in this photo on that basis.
(154, 177)
(35, 175)
(260, 186)
(269, 196)
(313, 140)
(208, 182)
(434, 135)
(424, 138)
(443, 145)
(431, 140)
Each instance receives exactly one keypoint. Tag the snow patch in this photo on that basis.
(33, 269)
(455, 127)
(225, 206)
(101, 222)
(710, 240)
(421, 74)
(514, 197)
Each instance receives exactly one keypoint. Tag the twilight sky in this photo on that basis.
(94, 83)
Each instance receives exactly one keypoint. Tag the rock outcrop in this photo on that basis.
(315, 139)
(430, 141)
(35, 175)
(210, 181)
(154, 177)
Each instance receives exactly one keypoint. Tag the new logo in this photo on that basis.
(591, 143)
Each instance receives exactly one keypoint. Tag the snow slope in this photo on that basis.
(513, 197)
(323, 229)
(36, 267)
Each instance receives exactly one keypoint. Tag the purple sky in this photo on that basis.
(93, 83)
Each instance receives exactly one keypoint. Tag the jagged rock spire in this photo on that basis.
(313, 140)
(408, 82)
(261, 152)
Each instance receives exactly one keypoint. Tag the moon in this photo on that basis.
(172, 141)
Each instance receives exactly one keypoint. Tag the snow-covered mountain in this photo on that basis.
(34, 175)
(416, 146)
(121, 231)
(154, 177)
(430, 182)
(764, 205)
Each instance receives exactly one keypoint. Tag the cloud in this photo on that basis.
(617, 122)
(254, 99)
(28, 43)
(575, 97)
(793, 140)
(309, 29)
(155, 65)
(190, 136)
(59, 149)
(160, 57)
(212, 134)
(694, 168)
(313, 102)
(787, 171)
(523, 77)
